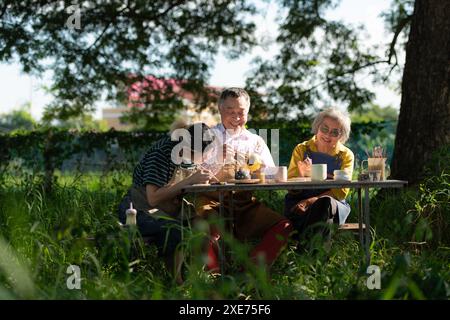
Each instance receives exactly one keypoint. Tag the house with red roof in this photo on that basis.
(152, 88)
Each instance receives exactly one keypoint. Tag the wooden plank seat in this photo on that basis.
(351, 226)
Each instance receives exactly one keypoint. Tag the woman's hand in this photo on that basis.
(304, 167)
(301, 207)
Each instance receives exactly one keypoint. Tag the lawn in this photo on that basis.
(41, 235)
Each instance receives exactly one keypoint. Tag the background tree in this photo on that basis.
(374, 113)
(82, 122)
(321, 61)
(19, 119)
(118, 43)
(423, 125)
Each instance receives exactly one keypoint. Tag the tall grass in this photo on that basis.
(42, 234)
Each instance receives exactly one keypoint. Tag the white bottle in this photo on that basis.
(131, 215)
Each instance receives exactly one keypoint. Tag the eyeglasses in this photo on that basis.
(334, 133)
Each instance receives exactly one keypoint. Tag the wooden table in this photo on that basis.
(363, 207)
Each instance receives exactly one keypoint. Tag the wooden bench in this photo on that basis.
(351, 226)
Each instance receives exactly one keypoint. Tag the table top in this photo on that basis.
(291, 185)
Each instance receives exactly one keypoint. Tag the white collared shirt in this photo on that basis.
(243, 142)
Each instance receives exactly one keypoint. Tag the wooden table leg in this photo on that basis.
(232, 217)
(221, 240)
(367, 222)
(360, 219)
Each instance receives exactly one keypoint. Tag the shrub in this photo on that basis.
(419, 214)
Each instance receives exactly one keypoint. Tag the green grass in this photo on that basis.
(42, 234)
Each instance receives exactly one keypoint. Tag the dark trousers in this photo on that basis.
(165, 234)
(315, 220)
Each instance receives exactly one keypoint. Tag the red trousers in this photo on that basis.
(271, 245)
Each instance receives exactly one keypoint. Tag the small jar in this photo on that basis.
(262, 177)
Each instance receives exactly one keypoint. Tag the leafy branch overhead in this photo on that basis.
(121, 43)
(116, 39)
(321, 60)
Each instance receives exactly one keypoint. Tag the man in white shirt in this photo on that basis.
(252, 220)
(240, 141)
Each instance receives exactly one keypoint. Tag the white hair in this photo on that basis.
(179, 123)
(341, 117)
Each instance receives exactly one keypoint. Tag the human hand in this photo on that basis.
(304, 167)
(228, 154)
(200, 177)
(301, 207)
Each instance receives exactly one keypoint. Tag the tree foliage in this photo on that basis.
(374, 113)
(321, 61)
(118, 43)
(82, 122)
(19, 119)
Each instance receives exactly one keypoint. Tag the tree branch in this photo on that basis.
(107, 27)
(155, 18)
(172, 6)
(3, 10)
(397, 32)
(343, 74)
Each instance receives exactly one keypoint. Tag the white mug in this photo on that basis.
(318, 172)
(281, 175)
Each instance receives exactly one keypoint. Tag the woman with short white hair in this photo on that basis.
(307, 208)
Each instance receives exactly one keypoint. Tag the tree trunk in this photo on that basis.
(424, 120)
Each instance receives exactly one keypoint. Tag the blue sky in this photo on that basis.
(17, 88)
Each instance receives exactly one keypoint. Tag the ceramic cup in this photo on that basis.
(341, 175)
(281, 175)
(318, 172)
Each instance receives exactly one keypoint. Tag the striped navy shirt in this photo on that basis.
(156, 167)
